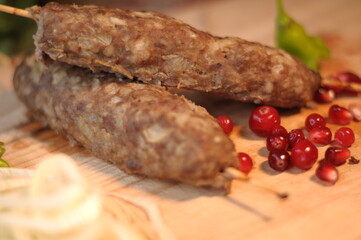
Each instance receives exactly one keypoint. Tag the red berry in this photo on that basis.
(355, 110)
(348, 77)
(279, 160)
(262, 120)
(327, 172)
(339, 115)
(314, 120)
(246, 162)
(294, 136)
(337, 156)
(337, 89)
(304, 154)
(341, 84)
(322, 136)
(279, 130)
(277, 142)
(323, 95)
(226, 123)
(344, 137)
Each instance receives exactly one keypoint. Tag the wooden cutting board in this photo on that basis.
(313, 211)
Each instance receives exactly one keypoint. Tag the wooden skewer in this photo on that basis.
(233, 173)
(355, 87)
(15, 11)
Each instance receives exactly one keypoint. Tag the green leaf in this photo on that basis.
(2, 151)
(3, 163)
(292, 37)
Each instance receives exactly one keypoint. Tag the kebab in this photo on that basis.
(116, 120)
(154, 48)
(142, 129)
(68, 118)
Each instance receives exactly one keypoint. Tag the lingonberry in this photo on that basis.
(245, 161)
(327, 172)
(337, 156)
(355, 110)
(226, 123)
(279, 130)
(277, 142)
(322, 135)
(262, 120)
(344, 137)
(323, 95)
(348, 77)
(304, 154)
(339, 115)
(337, 89)
(345, 91)
(279, 159)
(294, 136)
(314, 120)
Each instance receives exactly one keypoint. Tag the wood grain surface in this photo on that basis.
(313, 211)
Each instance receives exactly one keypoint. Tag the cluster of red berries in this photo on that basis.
(293, 148)
(343, 84)
(246, 163)
(265, 122)
(338, 85)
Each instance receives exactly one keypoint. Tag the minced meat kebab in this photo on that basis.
(158, 49)
(141, 128)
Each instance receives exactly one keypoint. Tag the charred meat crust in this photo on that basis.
(140, 128)
(158, 49)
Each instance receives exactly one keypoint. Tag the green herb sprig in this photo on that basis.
(292, 37)
(3, 163)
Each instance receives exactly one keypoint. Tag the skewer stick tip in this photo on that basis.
(15, 11)
(233, 173)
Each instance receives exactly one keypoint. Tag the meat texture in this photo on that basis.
(158, 49)
(140, 128)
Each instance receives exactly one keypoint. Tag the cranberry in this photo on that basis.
(348, 77)
(226, 123)
(279, 160)
(344, 90)
(314, 120)
(323, 95)
(294, 136)
(277, 142)
(327, 172)
(322, 136)
(355, 110)
(344, 137)
(304, 154)
(339, 115)
(279, 130)
(246, 162)
(262, 120)
(337, 89)
(344, 83)
(337, 156)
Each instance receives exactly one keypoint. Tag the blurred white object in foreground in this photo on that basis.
(56, 202)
